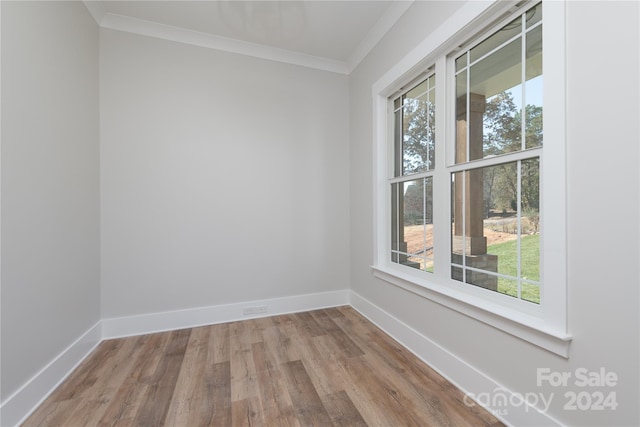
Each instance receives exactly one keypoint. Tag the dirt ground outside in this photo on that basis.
(416, 240)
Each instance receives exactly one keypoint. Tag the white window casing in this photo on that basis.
(544, 324)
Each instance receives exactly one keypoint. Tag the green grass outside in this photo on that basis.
(507, 264)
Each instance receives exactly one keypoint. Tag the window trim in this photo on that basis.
(546, 325)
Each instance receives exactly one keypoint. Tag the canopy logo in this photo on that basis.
(588, 390)
(499, 400)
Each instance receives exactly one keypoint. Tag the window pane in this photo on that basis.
(534, 53)
(461, 62)
(492, 125)
(534, 15)
(418, 132)
(501, 36)
(496, 80)
(530, 292)
(496, 228)
(432, 103)
(496, 92)
(470, 241)
(395, 223)
(461, 117)
(530, 212)
(397, 145)
(412, 223)
(418, 92)
(533, 85)
(508, 287)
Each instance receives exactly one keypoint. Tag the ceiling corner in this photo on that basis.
(378, 31)
(96, 9)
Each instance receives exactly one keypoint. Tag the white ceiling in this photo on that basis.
(329, 35)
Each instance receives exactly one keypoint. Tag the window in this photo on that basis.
(498, 147)
(412, 182)
(463, 173)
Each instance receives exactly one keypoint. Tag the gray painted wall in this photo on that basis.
(50, 182)
(224, 178)
(603, 190)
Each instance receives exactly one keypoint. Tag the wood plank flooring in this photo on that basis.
(327, 367)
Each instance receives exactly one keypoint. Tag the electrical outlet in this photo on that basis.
(258, 309)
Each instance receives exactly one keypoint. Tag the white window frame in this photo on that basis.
(545, 325)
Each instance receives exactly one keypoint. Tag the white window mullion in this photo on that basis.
(523, 80)
(441, 196)
(467, 112)
(519, 227)
(397, 210)
(464, 225)
(424, 221)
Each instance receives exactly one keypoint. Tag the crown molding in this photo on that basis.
(195, 38)
(210, 41)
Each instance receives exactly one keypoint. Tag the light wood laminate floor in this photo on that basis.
(328, 367)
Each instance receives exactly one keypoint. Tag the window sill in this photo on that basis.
(527, 327)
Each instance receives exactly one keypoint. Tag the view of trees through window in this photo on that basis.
(512, 230)
(412, 211)
(495, 200)
(499, 138)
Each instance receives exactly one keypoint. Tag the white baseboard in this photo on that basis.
(172, 320)
(17, 407)
(471, 381)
